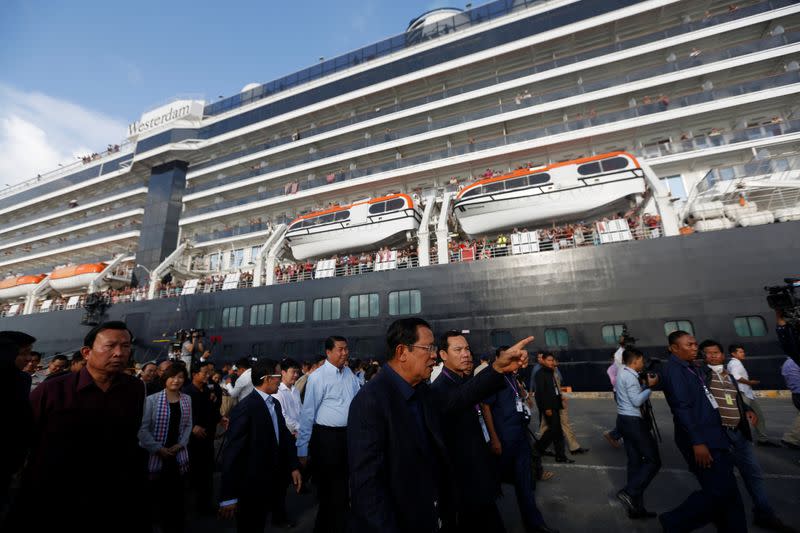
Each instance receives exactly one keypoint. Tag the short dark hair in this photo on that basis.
(287, 363)
(548, 355)
(77, 357)
(403, 332)
(733, 347)
(675, 335)
(173, 371)
(261, 369)
(196, 369)
(148, 364)
(36, 355)
(244, 362)
(711, 342)
(630, 354)
(330, 342)
(119, 325)
(59, 357)
(17, 337)
(484, 357)
(444, 339)
(500, 350)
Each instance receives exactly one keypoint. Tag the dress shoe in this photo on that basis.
(543, 528)
(611, 440)
(641, 513)
(627, 501)
(579, 451)
(548, 453)
(564, 460)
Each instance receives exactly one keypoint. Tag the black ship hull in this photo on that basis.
(707, 279)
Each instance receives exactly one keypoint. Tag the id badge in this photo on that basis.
(711, 399)
(519, 405)
(484, 428)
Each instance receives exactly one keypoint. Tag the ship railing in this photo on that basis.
(706, 57)
(300, 273)
(756, 168)
(477, 15)
(577, 124)
(61, 242)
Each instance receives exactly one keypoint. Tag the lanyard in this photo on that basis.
(513, 386)
(446, 374)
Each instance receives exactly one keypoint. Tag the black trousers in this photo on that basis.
(717, 501)
(480, 519)
(251, 513)
(644, 461)
(328, 452)
(168, 491)
(553, 435)
(201, 473)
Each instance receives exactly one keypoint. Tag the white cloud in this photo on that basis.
(37, 132)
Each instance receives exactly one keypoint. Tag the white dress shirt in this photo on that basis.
(737, 370)
(289, 398)
(243, 386)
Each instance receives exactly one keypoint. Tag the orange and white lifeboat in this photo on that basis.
(18, 286)
(355, 227)
(75, 276)
(531, 196)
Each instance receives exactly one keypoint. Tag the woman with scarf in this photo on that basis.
(166, 426)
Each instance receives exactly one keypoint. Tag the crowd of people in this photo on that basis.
(111, 149)
(348, 264)
(368, 436)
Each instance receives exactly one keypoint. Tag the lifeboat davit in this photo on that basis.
(18, 286)
(530, 196)
(356, 227)
(75, 276)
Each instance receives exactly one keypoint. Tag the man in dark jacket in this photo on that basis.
(205, 417)
(259, 454)
(401, 478)
(703, 442)
(740, 435)
(548, 400)
(464, 432)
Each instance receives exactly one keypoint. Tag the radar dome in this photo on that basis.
(250, 87)
(434, 15)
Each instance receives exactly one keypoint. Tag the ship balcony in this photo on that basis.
(454, 89)
(604, 122)
(84, 220)
(518, 103)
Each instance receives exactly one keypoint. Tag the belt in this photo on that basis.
(330, 428)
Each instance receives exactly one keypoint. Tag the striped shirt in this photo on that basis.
(724, 392)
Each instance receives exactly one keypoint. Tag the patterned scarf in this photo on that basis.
(162, 428)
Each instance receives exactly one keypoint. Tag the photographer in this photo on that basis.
(788, 336)
(644, 461)
(192, 348)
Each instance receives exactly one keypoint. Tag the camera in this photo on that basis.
(626, 339)
(784, 299)
(652, 368)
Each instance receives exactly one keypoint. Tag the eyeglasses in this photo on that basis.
(270, 376)
(430, 349)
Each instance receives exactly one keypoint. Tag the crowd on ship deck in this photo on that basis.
(363, 435)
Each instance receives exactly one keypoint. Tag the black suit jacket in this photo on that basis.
(546, 397)
(394, 485)
(476, 469)
(253, 463)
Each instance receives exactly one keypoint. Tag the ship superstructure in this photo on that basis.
(201, 196)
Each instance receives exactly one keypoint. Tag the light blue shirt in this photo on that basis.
(329, 392)
(630, 395)
(270, 401)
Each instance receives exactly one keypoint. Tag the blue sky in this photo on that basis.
(73, 74)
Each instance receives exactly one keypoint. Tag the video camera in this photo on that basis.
(783, 298)
(183, 335)
(626, 339)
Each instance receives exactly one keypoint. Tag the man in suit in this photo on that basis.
(703, 442)
(548, 399)
(401, 477)
(259, 454)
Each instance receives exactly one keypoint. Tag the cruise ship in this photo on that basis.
(558, 168)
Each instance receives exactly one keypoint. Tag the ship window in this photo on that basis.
(364, 348)
(750, 326)
(589, 168)
(205, 319)
(538, 179)
(493, 187)
(364, 305)
(215, 260)
(380, 207)
(404, 302)
(291, 348)
(260, 314)
(293, 312)
(232, 317)
(675, 325)
(342, 215)
(615, 163)
(397, 203)
(516, 183)
(257, 350)
(500, 338)
(309, 222)
(556, 337)
(472, 192)
(612, 332)
(324, 219)
(237, 256)
(327, 308)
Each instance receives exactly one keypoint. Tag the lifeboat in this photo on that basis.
(555, 192)
(356, 227)
(18, 286)
(75, 276)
